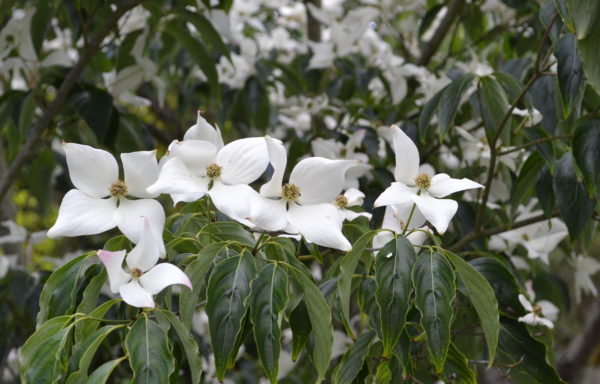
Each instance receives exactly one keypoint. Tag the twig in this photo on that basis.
(436, 40)
(30, 146)
(532, 143)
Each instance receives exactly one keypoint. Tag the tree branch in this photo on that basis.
(436, 40)
(29, 148)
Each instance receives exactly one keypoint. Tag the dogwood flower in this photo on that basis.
(98, 202)
(200, 165)
(351, 198)
(333, 149)
(304, 205)
(542, 312)
(584, 267)
(396, 219)
(424, 191)
(143, 277)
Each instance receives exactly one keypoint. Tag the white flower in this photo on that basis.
(201, 165)
(396, 219)
(584, 267)
(539, 239)
(541, 313)
(423, 190)
(98, 203)
(333, 149)
(351, 198)
(143, 277)
(305, 204)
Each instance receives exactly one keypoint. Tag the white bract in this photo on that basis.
(200, 165)
(143, 278)
(542, 312)
(424, 191)
(305, 204)
(98, 202)
(396, 219)
(585, 267)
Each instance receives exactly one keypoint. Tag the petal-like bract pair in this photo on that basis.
(424, 191)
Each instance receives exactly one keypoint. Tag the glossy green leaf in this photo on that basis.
(95, 106)
(208, 33)
(196, 271)
(38, 362)
(494, 105)
(586, 149)
(352, 361)
(300, 329)
(393, 268)
(59, 293)
(347, 269)
(427, 114)
(571, 81)
(85, 328)
(585, 15)
(450, 101)
(268, 299)
(526, 353)
(456, 369)
(92, 292)
(83, 353)
(572, 199)
(435, 288)
(525, 185)
(481, 294)
(502, 282)
(149, 352)
(189, 344)
(102, 373)
(320, 319)
(227, 294)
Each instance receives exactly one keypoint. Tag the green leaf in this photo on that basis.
(196, 271)
(268, 299)
(575, 206)
(38, 362)
(101, 374)
(571, 82)
(300, 329)
(209, 34)
(393, 268)
(383, 375)
(427, 113)
(352, 361)
(198, 52)
(586, 149)
(228, 290)
(189, 344)
(526, 181)
(347, 268)
(27, 113)
(320, 319)
(494, 104)
(481, 294)
(435, 287)
(502, 282)
(450, 101)
(456, 369)
(83, 353)
(95, 106)
(585, 15)
(39, 23)
(59, 292)
(526, 353)
(85, 328)
(92, 292)
(149, 352)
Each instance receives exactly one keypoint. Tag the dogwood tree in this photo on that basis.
(336, 191)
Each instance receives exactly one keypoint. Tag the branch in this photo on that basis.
(436, 40)
(29, 148)
(582, 346)
(534, 142)
(313, 25)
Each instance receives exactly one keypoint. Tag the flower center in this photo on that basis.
(136, 272)
(423, 181)
(213, 170)
(537, 310)
(118, 189)
(341, 201)
(290, 192)
(525, 237)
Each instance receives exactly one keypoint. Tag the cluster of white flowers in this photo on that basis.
(311, 204)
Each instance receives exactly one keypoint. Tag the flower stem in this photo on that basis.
(410, 215)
